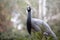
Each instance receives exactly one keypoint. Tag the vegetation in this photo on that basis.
(8, 31)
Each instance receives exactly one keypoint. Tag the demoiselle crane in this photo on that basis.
(35, 24)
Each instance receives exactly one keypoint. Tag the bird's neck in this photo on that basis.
(29, 15)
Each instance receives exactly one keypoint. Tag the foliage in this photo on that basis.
(6, 26)
(15, 36)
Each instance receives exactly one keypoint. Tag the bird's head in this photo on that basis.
(28, 8)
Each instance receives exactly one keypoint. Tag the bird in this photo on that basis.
(36, 23)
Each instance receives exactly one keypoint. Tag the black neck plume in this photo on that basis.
(29, 20)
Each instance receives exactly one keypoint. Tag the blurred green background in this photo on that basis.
(13, 17)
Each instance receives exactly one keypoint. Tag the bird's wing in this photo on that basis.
(39, 22)
(36, 22)
(36, 27)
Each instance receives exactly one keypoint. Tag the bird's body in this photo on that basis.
(38, 24)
